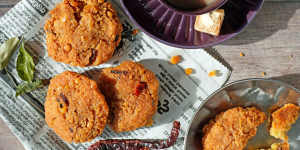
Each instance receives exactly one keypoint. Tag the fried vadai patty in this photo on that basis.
(83, 32)
(232, 129)
(75, 108)
(131, 92)
(283, 119)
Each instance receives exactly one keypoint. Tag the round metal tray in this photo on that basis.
(262, 93)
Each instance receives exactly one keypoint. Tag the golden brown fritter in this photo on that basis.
(132, 95)
(75, 108)
(232, 129)
(282, 120)
(83, 32)
(278, 146)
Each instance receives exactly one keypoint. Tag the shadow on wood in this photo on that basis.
(273, 17)
(293, 79)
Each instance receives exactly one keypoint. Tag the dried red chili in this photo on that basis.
(135, 144)
(140, 87)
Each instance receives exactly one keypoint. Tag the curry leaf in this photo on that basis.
(27, 87)
(25, 65)
(6, 51)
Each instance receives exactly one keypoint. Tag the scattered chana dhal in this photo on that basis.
(212, 73)
(175, 59)
(188, 71)
(242, 54)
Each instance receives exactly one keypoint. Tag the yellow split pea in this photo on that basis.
(212, 73)
(188, 71)
(175, 59)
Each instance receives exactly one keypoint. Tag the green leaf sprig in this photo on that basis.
(25, 68)
(25, 65)
(27, 87)
(6, 51)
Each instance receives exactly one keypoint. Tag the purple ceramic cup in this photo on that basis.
(176, 28)
(198, 11)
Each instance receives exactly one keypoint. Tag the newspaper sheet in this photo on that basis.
(180, 95)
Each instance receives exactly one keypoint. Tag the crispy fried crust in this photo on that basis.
(232, 129)
(277, 146)
(282, 120)
(132, 94)
(83, 32)
(280, 146)
(75, 108)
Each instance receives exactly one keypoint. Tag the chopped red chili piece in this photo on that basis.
(135, 31)
(140, 87)
(134, 144)
(118, 72)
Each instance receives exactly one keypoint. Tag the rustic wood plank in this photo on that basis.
(7, 140)
(8, 2)
(268, 43)
(5, 5)
(3, 10)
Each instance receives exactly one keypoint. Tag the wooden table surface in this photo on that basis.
(271, 44)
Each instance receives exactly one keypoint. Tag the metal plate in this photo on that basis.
(262, 93)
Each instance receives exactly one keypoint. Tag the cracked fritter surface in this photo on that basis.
(282, 120)
(278, 146)
(83, 32)
(132, 94)
(75, 108)
(232, 129)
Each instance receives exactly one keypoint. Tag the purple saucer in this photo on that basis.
(175, 28)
